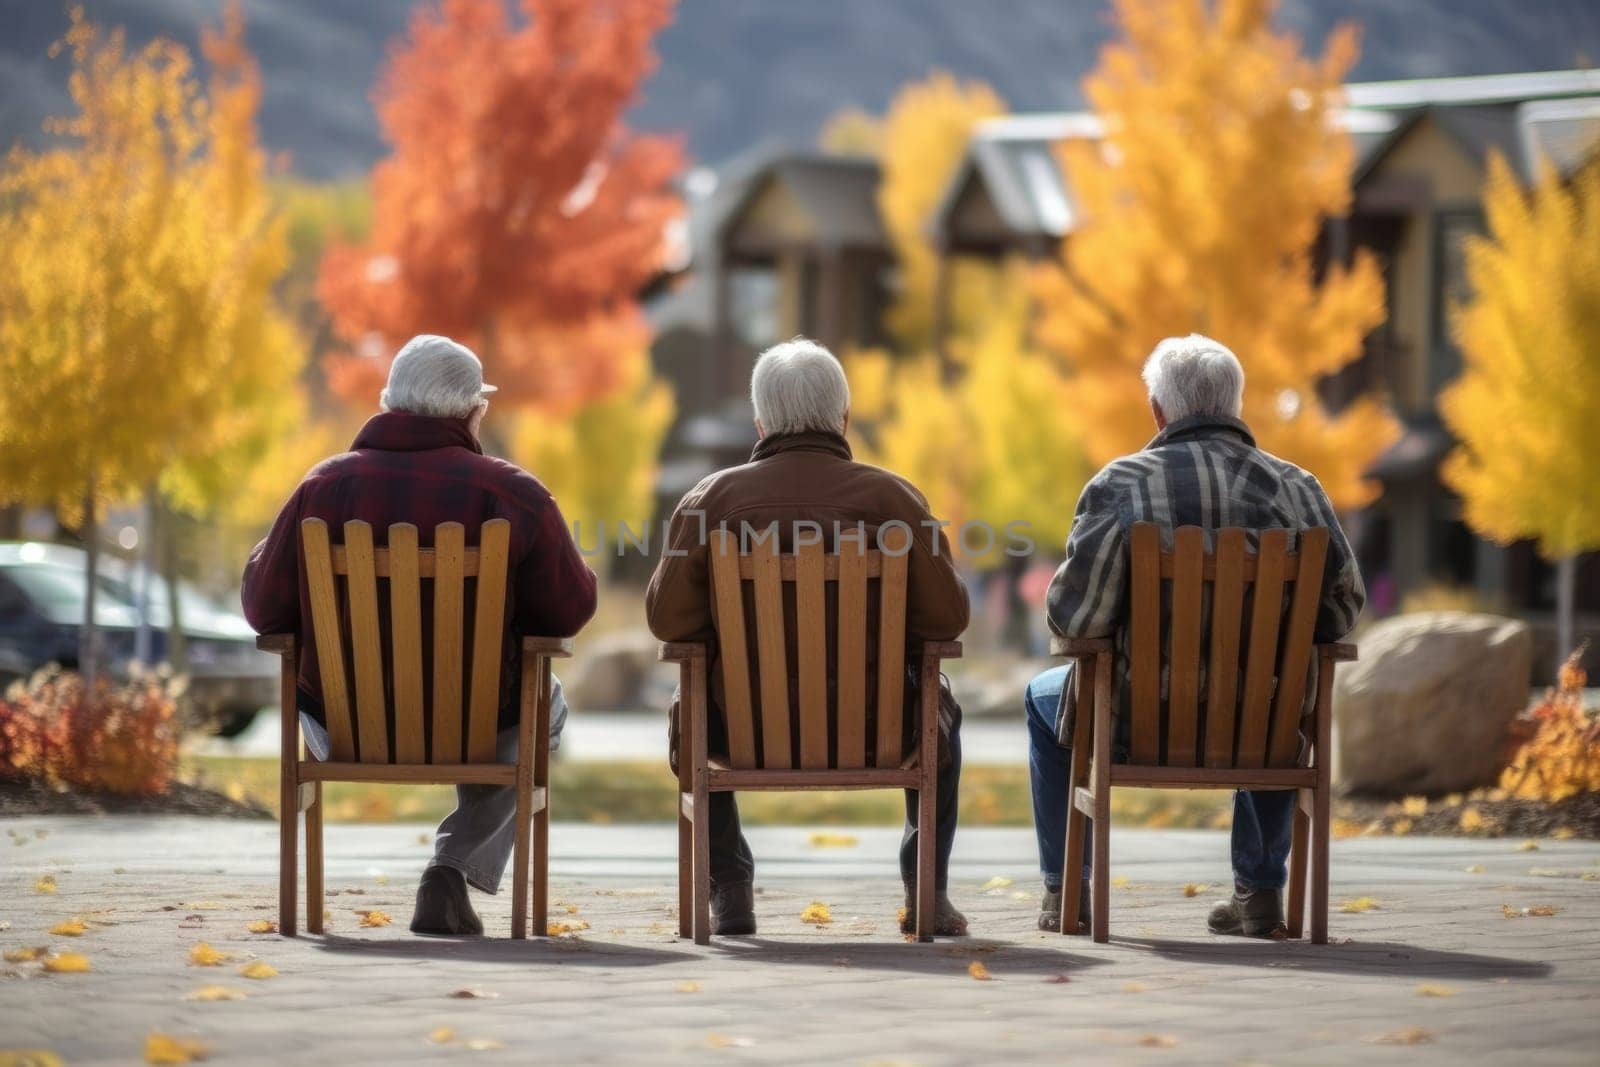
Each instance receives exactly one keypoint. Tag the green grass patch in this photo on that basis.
(627, 792)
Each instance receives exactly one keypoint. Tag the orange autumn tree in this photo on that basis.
(515, 212)
(1202, 207)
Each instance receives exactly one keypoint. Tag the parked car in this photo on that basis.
(41, 617)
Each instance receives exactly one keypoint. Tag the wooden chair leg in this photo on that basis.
(1298, 842)
(314, 897)
(288, 842)
(519, 865)
(1101, 901)
(702, 866)
(927, 844)
(1072, 870)
(685, 872)
(1319, 866)
(541, 869)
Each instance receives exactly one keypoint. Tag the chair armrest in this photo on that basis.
(942, 649)
(1337, 651)
(277, 644)
(681, 651)
(557, 647)
(1078, 646)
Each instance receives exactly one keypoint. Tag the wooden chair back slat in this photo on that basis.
(488, 629)
(738, 715)
(330, 641)
(1145, 642)
(891, 658)
(1183, 700)
(366, 643)
(850, 679)
(1284, 742)
(811, 647)
(449, 596)
(1261, 659)
(772, 656)
(405, 628)
(1222, 672)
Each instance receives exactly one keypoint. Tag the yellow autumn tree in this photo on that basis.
(1527, 403)
(599, 459)
(1203, 203)
(138, 337)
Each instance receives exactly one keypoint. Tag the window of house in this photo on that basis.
(753, 305)
(1452, 231)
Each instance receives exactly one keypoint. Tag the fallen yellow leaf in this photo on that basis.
(164, 1048)
(374, 918)
(1543, 911)
(1415, 807)
(572, 909)
(556, 929)
(45, 884)
(997, 882)
(441, 1035)
(30, 1057)
(1471, 819)
(1429, 989)
(259, 969)
(263, 926)
(1528, 846)
(816, 913)
(979, 972)
(1158, 1041)
(1121, 882)
(70, 928)
(1410, 1035)
(203, 955)
(67, 963)
(1476, 868)
(724, 1041)
(1134, 987)
(26, 955)
(1194, 889)
(827, 839)
(208, 993)
(1358, 905)
(484, 1044)
(688, 987)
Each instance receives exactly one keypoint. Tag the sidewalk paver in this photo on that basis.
(1435, 973)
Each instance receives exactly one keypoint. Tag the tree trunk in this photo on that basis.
(88, 637)
(143, 650)
(177, 647)
(1566, 587)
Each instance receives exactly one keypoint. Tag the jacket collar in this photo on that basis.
(810, 441)
(1202, 427)
(401, 431)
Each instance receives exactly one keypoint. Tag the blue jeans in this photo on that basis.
(1262, 819)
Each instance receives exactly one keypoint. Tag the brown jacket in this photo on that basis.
(804, 477)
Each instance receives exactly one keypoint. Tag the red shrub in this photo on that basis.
(122, 738)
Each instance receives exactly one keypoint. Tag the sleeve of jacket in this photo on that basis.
(1085, 596)
(677, 603)
(270, 594)
(1344, 593)
(555, 589)
(937, 608)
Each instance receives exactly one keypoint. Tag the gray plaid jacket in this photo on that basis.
(1201, 471)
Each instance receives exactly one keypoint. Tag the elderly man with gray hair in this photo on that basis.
(1203, 469)
(802, 476)
(420, 461)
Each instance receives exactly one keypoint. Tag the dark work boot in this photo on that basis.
(947, 921)
(442, 905)
(1050, 908)
(733, 910)
(1249, 913)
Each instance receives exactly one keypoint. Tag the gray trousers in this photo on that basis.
(477, 837)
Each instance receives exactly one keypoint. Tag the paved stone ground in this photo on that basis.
(1524, 989)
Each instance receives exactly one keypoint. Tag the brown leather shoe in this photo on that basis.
(443, 907)
(1050, 909)
(947, 921)
(1249, 913)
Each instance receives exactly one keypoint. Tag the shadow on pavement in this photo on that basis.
(535, 950)
(1375, 958)
(942, 957)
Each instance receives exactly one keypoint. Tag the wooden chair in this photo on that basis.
(1232, 736)
(761, 753)
(464, 708)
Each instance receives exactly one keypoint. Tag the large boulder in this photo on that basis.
(618, 672)
(1426, 708)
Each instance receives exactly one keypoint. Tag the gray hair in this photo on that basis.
(1194, 375)
(434, 375)
(798, 386)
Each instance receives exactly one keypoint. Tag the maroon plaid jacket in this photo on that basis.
(425, 471)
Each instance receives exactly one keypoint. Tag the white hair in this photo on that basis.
(434, 375)
(798, 386)
(1194, 375)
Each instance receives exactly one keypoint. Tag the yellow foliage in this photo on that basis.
(164, 1048)
(979, 972)
(852, 132)
(45, 883)
(263, 926)
(26, 955)
(374, 918)
(259, 970)
(67, 963)
(1562, 758)
(1201, 209)
(211, 993)
(830, 839)
(816, 913)
(1358, 905)
(70, 928)
(1526, 404)
(599, 461)
(201, 954)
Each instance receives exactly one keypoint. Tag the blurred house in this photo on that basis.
(792, 243)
